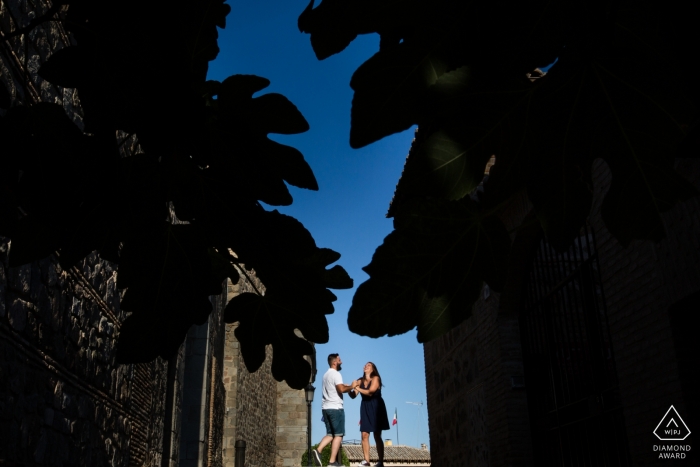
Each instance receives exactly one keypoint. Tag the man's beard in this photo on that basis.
(339, 368)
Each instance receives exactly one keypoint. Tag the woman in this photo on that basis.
(373, 418)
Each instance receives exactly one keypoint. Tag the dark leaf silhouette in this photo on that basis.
(69, 67)
(5, 98)
(430, 270)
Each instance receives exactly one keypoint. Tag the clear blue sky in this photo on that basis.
(347, 214)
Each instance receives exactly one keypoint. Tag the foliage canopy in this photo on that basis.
(622, 89)
(186, 200)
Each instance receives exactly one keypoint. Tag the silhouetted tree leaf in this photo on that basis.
(5, 97)
(241, 149)
(337, 278)
(69, 67)
(287, 260)
(240, 87)
(389, 89)
(30, 242)
(263, 321)
(429, 271)
(326, 38)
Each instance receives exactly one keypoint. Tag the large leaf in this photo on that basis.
(429, 271)
(287, 260)
(262, 321)
(5, 97)
(389, 90)
(241, 149)
(69, 67)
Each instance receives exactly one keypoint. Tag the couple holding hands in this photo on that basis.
(373, 417)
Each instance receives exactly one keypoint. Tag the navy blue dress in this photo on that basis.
(373, 412)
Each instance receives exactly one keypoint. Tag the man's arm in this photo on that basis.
(341, 388)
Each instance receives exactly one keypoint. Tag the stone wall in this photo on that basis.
(216, 389)
(63, 399)
(251, 411)
(269, 416)
(292, 422)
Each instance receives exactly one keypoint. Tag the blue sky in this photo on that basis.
(348, 213)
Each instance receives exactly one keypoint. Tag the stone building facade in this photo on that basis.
(489, 390)
(63, 399)
(269, 416)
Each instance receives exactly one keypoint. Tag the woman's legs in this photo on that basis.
(380, 445)
(365, 445)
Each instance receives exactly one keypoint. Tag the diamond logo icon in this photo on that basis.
(672, 427)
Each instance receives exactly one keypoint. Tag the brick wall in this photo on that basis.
(459, 369)
(477, 417)
(641, 282)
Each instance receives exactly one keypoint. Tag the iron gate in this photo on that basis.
(574, 403)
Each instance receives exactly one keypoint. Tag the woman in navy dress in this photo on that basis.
(373, 418)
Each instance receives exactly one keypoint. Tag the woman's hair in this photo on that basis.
(375, 372)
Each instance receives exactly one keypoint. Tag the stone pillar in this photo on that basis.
(291, 425)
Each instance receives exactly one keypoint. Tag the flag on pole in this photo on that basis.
(394, 422)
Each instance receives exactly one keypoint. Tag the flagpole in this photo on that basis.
(396, 415)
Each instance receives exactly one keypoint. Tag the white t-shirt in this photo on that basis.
(331, 398)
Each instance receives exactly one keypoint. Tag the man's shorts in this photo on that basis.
(335, 421)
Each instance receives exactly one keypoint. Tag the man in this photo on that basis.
(332, 408)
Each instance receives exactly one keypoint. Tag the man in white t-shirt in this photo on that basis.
(332, 408)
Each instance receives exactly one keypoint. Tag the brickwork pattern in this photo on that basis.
(640, 281)
(475, 415)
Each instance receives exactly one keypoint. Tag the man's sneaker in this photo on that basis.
(335, 464)
(364, 464)
(317, 457)
(379, 464)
